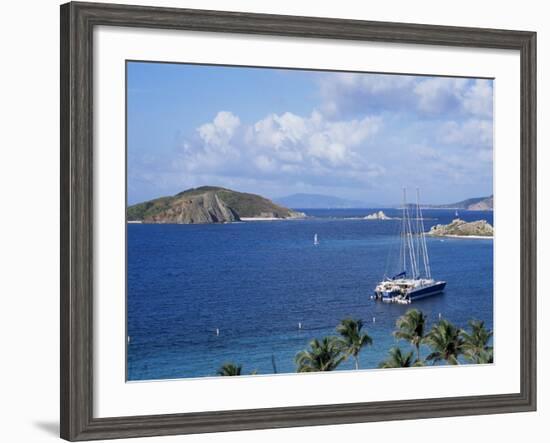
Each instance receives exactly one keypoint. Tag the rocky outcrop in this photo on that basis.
(378, 216)
(205, 208)
(208, 204)
(458, 227)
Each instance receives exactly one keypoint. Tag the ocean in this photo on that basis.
(255, 282)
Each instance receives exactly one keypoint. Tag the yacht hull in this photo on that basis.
(399, 292)
(427, 291)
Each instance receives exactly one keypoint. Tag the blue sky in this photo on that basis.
(277, 132)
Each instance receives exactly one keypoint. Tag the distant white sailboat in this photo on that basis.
(315, 240)
(456, 213)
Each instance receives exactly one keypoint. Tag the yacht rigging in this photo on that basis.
(415, 279)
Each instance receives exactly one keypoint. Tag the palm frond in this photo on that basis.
(446, 342)
(411, 328)
(476, 343)
(352, 338)
(229, 369)
(323, 355)
(397, 359)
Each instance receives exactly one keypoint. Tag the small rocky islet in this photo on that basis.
(380, 215)
(461, 228)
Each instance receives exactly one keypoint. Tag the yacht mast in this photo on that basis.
(422, 237)
(410, 239)
(403, 243)
(417, 230)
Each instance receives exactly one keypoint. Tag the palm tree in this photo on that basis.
(411, 327)
(446, 342)
(397, 359)
(476, 344)
(230, 369)
(353, 339)
(323, 355)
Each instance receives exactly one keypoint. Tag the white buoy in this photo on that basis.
(374, 319)
(217, 332)
(299, 325)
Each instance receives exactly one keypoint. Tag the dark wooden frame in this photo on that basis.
(77, 24)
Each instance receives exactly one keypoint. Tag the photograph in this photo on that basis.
(274, 222)
(288, 221)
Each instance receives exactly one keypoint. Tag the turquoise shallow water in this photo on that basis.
(256, 281)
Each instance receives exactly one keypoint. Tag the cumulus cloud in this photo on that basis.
(439, 93)
(324, 149)
(364, 132)
(293, 139)
(455, 151)
(287, 144)
(478, 99)
(450, 166)
(220, 130)
(345, 93)
(472, 132)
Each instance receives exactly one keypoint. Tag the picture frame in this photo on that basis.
(78, 21)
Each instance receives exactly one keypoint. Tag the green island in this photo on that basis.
(447, 343)
(209, 204)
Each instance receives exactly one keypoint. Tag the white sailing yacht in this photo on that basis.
(415, 279)
(315, 240)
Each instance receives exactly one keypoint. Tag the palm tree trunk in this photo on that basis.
(356, 362)
(418, 351)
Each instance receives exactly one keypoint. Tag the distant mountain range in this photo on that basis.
(319, 201)
(470, 204)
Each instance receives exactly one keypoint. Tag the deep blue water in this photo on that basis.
(256, 281)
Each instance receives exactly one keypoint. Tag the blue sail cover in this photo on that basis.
(401, 274)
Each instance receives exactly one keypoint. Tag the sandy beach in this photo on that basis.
(261, 218)
(480, 237)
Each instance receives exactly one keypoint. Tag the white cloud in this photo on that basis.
(278, 131)
(412, 129)
(437, 93)
(220, 130)
(353, 92)
(432, 95)
(284, 144)
(473, 132)
(321, 150)
(265, 163)
(478, 99)
(290, 138)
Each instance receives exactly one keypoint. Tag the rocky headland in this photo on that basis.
(208, 204)
(470, 204)
(485, 204)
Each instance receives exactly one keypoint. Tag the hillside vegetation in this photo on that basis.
(208, 204)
